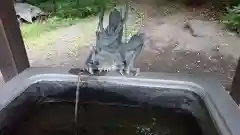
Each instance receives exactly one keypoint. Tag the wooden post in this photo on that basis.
(235, 91)
(13, 56)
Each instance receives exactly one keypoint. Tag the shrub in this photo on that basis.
(71, 8)
(235, 2)
(232, 18)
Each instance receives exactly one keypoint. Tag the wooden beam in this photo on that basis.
(235, 91)
(13, 56)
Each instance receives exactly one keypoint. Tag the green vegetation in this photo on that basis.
(229, 8)
(234, 2)
(71, 8)
(232, 18)
(61, 13)
(30, 31)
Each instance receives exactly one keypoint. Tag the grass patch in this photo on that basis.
(31, 31)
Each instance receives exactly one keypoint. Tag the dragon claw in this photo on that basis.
(128, 71)
(137, 70)
(121, 71)
(122, 56)
(90, 70)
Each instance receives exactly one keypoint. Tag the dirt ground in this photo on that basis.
(177, 39)
(206, 48)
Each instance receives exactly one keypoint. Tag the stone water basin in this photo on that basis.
(40, 101)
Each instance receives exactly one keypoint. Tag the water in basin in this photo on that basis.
(57, 118)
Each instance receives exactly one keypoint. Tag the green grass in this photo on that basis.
(36, 29)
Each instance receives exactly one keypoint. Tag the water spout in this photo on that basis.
(76, 103)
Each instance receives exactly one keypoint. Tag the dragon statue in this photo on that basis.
(110, 47)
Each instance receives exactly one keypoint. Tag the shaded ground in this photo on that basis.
(170, 46)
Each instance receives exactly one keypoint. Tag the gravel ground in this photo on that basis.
(177, 39)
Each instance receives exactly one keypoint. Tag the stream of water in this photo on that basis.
(76, 103)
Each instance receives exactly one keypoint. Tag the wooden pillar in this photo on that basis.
(13, 56)
(235, 91)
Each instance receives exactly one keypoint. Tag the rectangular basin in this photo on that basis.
(41, 101)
